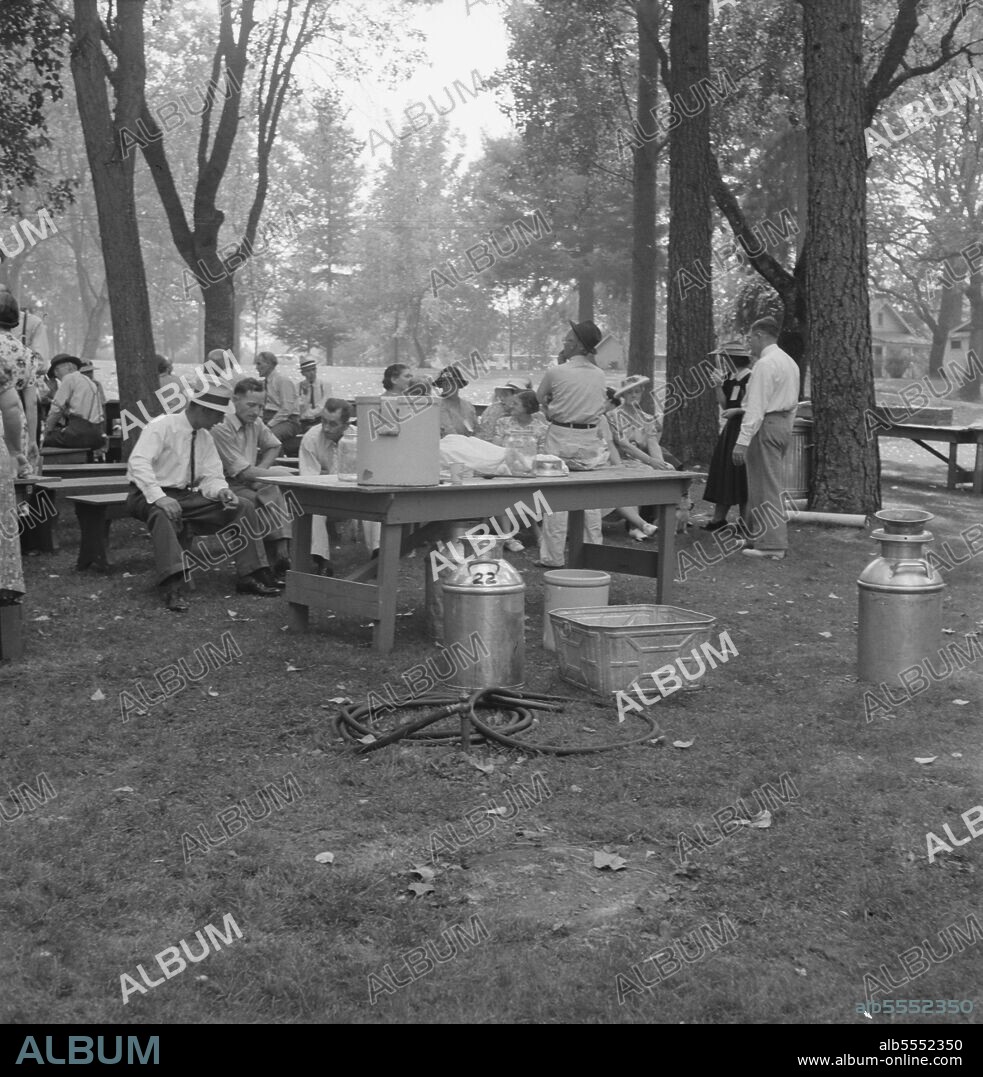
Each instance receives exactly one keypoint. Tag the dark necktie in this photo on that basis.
(191, 484)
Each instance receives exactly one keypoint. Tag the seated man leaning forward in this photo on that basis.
(319, 456)
(281, 409)
(248, 449)
(77, 419)
(176, 480)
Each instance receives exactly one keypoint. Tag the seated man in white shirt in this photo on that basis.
(313, 389)
(281, 411)
(319, 456)
(248, 450)
(77, 419)
(176, 480)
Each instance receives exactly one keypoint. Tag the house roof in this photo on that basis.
(877, 305)
(964, 328)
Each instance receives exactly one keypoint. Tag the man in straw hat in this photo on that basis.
(176, 480)
(313, 390)
(574, 397)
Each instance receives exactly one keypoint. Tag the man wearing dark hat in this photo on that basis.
(176, 479)
(766, 432)
(77, 419)
(313, 390)
(574, 397)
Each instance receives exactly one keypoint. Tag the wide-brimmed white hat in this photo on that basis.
(215, 397)
(636, 381)
(732, 347)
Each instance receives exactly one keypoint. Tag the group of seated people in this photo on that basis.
(209, 465)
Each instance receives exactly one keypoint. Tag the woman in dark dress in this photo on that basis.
(726, 484)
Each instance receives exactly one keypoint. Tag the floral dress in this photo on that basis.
(26, 372)
(11, 571)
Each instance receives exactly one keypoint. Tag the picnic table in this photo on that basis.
(412, 516)
(955, 436)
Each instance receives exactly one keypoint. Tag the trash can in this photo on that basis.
(484, 625)
(572, 588)
(797, 465)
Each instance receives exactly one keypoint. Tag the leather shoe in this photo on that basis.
(280, 568)
(174, 600)
(254, 585)
(266, 575)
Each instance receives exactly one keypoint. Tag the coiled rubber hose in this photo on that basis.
(354, 724)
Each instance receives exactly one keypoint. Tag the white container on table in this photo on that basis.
(398, 440)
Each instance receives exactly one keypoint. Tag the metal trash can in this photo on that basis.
(567, 587)
(900, 620)
(484, 625)
(797, 465)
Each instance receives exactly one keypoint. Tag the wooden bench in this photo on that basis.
(95, 513)
(37, 525)
(68, 456)
(83, 471)
(954, 436)
(11, 633)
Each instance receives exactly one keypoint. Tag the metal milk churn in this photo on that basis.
(484, 625)
(900, 619)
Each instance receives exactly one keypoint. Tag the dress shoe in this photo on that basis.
(771, 555)
(255, 585)
(265, 575)
(174, 600)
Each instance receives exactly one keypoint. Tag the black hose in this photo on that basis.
(518, 707)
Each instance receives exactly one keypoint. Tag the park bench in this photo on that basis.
(954, 436)
(69, 456)
(95, 513)
(83, 471)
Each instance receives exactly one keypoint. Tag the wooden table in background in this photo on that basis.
(955, 436)
(413, 516)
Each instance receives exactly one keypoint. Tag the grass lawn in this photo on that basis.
(527, 929)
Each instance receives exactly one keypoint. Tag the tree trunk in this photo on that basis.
(691, 409)
(641, 346)
(585, 291)
(950, 315)
(93, 326)
(971, 390)
(847, 476)
(112, 181)
(220, 309)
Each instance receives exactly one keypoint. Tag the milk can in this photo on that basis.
(900, 619)
(484, 625)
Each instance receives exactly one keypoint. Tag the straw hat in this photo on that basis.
(215, 397)
(636, 381)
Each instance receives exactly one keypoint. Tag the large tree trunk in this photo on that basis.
(950, 315)
(847, 475)
(641, 346)
(971, 390)
(112, 181)
(585, 289)
(93, 325)
(691, 408)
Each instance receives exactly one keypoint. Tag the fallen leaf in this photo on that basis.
(587, 729)
(533, 835)
(575, 789)
(117, 618)
(831, 595)
(743, 612)
(925, 760)
(339, 699)
(43, 617)
(97, 696)
(762, 821)
(212, 693)
(801, 972)
(325, 858)
(683, 743)
(956, 755)
(421, 888)
(485, 768)
(425, 873)
(960, 702)
(609, 860)
(284, 628)
(292, 669)
(123, 789)
(826, 635)
(232, 613)
(367, 739)
(496, 811)
(127, 575)
(949, 631)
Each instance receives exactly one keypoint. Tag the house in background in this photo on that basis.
(897, 348)
(957, 346)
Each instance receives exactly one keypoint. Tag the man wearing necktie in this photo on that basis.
(313, 391)
(176, 480)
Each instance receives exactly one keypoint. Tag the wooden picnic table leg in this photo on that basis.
(11, 633)
(978, 470)
(94, 538)
(298, 615)
(384, 634)
(666, 563)
(953, 476)
(575, 534)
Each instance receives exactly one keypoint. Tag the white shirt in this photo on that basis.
(162, 457)
(318, 454)
(312, 396)
(79, 395)
(774, 386)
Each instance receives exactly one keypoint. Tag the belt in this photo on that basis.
(575, 426)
